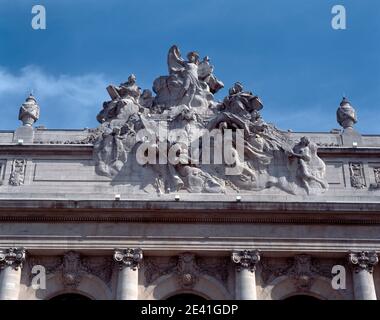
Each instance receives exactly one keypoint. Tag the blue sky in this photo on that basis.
(283, 50)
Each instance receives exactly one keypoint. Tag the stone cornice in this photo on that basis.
(193, 212)
(46, 149)
(349, 152)
(197, 204)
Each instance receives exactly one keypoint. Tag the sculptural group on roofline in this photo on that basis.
(183, 139)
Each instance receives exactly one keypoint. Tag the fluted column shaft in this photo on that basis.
(11, 261)
(362, 266)
(245, 268)
(128, 261)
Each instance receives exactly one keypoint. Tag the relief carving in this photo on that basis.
(165, 139)
(357, 175)
(72, 266)
(18, 172)
(302, 269)
(187, 268)
(376, 185)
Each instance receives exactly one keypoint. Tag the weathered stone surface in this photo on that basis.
(299, 198)
(175, 129)
(29, 111)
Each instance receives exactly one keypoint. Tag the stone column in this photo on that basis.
(245, 267)
(362, 266)
(11, 261)
(128, 261)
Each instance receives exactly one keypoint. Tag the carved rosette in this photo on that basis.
(128, 258)
(12, 257)
(364, 260)
(246, 259)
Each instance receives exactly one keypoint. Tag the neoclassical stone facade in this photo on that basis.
(91, 213)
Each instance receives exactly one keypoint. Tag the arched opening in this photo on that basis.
(301, 298)
(186, 297)
(70, 297)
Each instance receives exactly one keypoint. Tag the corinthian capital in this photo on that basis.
(128, 257)
(246, 259)
(364, 260)
(12, 257)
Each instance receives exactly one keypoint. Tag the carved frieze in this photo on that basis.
(12, 257)
(17, 177)
(357, 175)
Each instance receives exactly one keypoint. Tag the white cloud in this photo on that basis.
(66, 101)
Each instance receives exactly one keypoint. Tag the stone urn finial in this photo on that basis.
(29, 111)
(346, 114)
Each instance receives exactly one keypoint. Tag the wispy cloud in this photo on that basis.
(66, 101)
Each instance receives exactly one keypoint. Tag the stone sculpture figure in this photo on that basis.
(146, 99)
(124, 103)
(263, 156)
(205, 73)
(310, 167)
(187, 83)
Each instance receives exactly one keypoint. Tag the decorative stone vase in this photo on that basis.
(29, 111)
(346, 115)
